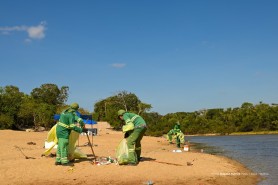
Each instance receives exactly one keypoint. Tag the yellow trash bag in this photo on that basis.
(52, 139)
(73, 152)
(122, 153)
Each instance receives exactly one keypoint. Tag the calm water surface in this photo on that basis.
(258, 152)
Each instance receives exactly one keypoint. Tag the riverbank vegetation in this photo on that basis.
(255, 133)
(260, 118)
(18, 110)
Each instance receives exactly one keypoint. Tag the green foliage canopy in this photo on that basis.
(19, 110)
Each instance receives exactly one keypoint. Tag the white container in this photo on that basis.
(47, 145)
(186, 148)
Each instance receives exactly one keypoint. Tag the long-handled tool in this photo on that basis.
(94, 156)
(26, 157)
(167, 163)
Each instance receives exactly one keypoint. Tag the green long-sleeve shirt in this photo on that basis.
(67, 123)
(132, 121)
(174, 132)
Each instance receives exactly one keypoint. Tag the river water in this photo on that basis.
(259, 153)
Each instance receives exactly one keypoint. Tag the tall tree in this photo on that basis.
(10, 100)
(143, 107)
(50, 94)
(106, 109)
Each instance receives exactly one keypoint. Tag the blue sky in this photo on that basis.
(175, 55)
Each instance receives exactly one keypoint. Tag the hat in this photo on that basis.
(121, 112)
(74, 106)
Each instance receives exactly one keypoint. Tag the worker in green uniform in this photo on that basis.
(66, 124)
(134, 129)
(177, 134)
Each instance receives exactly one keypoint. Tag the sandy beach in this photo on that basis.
(160, 164)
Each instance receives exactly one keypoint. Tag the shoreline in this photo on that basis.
(160, 165)
(255, 160)
(236, 133)
(249, 171)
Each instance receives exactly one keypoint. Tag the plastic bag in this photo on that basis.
(51, 138)
(51, 135)
(73, 137)
(122, 153)
(73, 152)
(78, 154)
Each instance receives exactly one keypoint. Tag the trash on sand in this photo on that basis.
(48, 145)
(177, 151)
(189, 164)
(186, 148)
(70, 169)
(105, 160)
(31, 143)
(50, 155)
(149, 182)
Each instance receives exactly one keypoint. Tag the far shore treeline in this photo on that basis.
(19, 110)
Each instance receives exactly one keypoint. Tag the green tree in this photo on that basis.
(143, 107)
(36, 114)
(43, 115)
(155, 126)
(6, 121)
(50, 94)
(106, 109)
(47, 98)
(26, 112)
(10, 100)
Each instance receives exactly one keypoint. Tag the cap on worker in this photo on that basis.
(121, 112)
(74, 106)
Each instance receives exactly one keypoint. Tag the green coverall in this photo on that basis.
(177, 133)
(135, 127)
(66, 123)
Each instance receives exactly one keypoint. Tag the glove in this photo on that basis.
(84, 130)
(126, 134)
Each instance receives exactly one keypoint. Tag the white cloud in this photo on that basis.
(34, 32)
(5, 33)
(118, 65)
(13, 28)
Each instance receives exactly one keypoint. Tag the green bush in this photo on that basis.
(6, 122)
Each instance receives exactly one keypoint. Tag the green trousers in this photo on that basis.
(178, 142)
(62, 151)
(134, 144)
